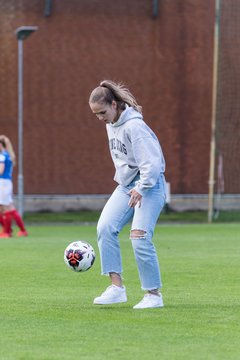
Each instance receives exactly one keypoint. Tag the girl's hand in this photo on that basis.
(135, 198)
(4, 138)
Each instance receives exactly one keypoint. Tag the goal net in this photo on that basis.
(227, 128)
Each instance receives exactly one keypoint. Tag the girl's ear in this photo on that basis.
(114, 104)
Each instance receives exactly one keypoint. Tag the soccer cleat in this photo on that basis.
(4, 235)
(150, 301)
(22, 233)
(112, 295)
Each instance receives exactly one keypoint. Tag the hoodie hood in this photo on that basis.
(128, 114)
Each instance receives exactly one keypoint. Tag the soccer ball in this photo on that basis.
(79, 256)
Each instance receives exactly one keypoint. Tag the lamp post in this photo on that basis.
(22, 33)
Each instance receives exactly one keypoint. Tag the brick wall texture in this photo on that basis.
(165, 61)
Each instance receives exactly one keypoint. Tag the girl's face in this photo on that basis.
(105, 112)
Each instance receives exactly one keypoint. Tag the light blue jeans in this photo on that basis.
(115, 215)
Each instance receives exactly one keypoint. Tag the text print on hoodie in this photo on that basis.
(135, 148)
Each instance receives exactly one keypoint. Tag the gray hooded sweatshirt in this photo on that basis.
(135, 150)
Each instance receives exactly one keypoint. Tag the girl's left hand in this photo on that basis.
(135, 198)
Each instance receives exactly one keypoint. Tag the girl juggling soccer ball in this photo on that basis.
(139, 196)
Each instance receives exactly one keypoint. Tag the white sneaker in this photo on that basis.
(112, 295)
(150, 301)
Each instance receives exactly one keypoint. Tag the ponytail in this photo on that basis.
(108, 91)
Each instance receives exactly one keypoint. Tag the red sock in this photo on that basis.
(19, 221)
(7, 222)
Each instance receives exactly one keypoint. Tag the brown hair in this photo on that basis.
(108, 91)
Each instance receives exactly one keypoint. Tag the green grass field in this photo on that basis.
(47, 313)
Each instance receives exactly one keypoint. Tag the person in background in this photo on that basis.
(7, 209)
(140, 195)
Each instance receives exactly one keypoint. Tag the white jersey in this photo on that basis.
(135, 149)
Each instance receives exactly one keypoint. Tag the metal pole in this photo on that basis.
(21, 33)
(211, 181)
(48, 7)
(155, 8)
(20, 127)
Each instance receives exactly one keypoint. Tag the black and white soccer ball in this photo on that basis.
(79, 256)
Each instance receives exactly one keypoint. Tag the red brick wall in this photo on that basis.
(166, 62)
